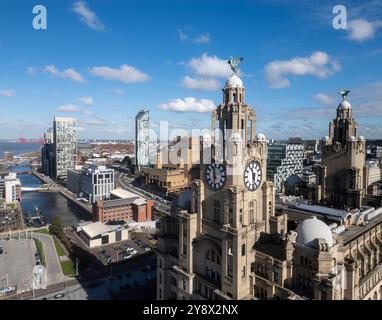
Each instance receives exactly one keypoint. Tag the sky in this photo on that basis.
(102, 61)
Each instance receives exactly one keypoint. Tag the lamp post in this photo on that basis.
(77, 267)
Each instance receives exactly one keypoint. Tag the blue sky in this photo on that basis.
(101, 61)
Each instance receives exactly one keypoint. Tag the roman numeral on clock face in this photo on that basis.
(215, 176)
(252, 175)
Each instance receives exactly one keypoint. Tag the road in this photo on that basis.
(53, 266)
(161, 204)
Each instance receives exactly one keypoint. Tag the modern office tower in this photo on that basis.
(47, 154)
(376, 152)
(65, 146)
(142, 126)
(284, 160)
(93, 183)
(12, 188)
(342, 171)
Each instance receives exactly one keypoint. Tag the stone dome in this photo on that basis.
(233, 82)
(362, 138)
(351, 138)
(344, 105)
(326, 138)
(260, 137)
(311, 229)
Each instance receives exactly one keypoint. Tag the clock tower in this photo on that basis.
(229, 210)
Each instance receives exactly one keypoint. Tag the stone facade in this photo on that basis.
(342, 171)
(229, 242)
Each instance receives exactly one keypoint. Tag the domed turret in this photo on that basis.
(260, 137)
(233, 82)
(351, 138)
(311, 229)
(344, 105)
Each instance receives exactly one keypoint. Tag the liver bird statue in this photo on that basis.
(234, 63)
(343, 93)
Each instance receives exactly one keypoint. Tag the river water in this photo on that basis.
(51, 204)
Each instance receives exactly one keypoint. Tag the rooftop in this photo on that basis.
(123, 194)
(354, 231)
(95, 229)
(320, 210)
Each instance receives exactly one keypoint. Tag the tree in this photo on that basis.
(56, 227)
(126, 161)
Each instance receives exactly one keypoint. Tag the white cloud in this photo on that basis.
(69, 108)
(203, 38)
(324, 99)
(87, 16)
(87, 101)
(125, 73)
(118, 91)
(182, 35)
(318, 64)
(80, 129)
(188, 104)
(210, 66)
(32, 70)
(72, 108)
(9, 93)
(200, 83)
(95, 122)
(70, 73)
(361, 29)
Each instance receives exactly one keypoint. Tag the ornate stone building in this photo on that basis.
(227, 241)
(342, 174)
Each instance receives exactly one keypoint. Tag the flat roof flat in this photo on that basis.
(95, 229)
(124, 194)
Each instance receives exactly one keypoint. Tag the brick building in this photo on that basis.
(124, 205)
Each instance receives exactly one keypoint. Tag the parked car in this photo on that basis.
(126, 256)
(131, 250)
(59, 295)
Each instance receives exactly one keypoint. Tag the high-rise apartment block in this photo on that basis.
(142, 126)
(65, 146)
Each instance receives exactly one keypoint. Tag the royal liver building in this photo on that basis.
(227, 241)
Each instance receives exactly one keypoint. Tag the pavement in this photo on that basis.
(53, 266)
(106, 288)
(17, 262)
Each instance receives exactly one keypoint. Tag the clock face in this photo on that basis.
(215, 176)
(252, 175)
